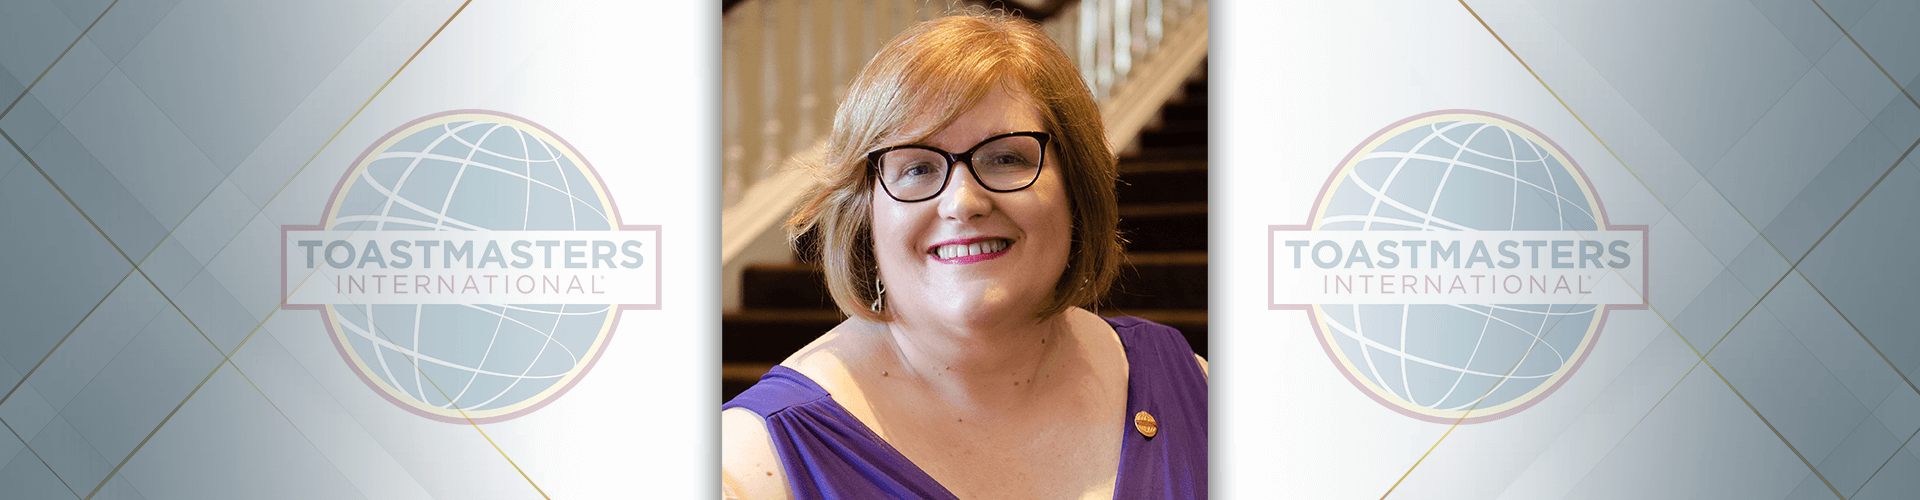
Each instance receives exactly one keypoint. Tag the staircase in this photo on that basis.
(1163, 214)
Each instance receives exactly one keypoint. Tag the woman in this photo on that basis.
(966, 213)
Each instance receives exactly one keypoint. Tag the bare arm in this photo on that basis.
(749, 467)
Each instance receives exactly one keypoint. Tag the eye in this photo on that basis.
(1008, 158)
(917, 170)
(914, 172)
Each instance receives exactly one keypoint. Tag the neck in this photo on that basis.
(993, 369)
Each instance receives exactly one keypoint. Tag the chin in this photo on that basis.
(989, 307)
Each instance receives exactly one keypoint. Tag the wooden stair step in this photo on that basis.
(1162, 186)
(1167, 280)
(770, 335)
(784, 286)
(1136, 165)
(1185, 111)
(1172, 138)
(1181, 125)
(737, 377)
(1181, 153)
(1162, 227)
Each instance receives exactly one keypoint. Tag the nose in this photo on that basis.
(964, 198)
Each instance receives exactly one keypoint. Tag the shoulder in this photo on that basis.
(831, 360)
(749, 466)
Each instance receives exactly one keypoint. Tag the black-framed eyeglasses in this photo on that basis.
(1002, 163)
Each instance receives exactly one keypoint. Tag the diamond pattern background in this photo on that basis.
(1778, 357)
(174, 136)
(141, 125)
(1786, 124)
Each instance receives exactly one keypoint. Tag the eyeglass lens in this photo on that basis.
(1004, 164)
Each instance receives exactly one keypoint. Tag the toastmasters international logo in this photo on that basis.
(1458, 266)
(470, 266)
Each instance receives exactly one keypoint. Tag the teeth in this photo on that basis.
(976, 248)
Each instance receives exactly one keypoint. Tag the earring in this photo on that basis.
(879, 295)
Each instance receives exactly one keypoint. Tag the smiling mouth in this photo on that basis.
(970, 251)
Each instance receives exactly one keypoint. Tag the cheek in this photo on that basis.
(892, 228)
(1054, 213)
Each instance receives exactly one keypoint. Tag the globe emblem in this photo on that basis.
(470, 171)
(1458, 171)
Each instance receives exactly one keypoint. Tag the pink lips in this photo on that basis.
(932, 251)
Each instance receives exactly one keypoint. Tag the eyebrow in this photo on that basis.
(923, 142)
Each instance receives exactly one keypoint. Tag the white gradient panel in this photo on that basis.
(190, 131)
(1737, 132)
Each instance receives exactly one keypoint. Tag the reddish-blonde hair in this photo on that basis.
(932, 73)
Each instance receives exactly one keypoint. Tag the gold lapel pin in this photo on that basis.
(1145, 424)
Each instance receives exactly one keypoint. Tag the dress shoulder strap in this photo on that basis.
(780, 389)
(826, 452)
(1164, 449)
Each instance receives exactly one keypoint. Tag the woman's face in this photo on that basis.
(1018, 240)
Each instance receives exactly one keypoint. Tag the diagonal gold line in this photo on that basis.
(1857, 330)
(1863, 51)
(226, 359)
(150, 282)
(110, 242)
(1516, 366)
(56, 60)
(43, 461)
(283, 414)
(1701, 356)
(1476, 403)
(316, 155)
(443, 393)
(1723, 379)
(1791, 270)
(1503, 377)
(136, 265)
(143, 274)
(276, 409)
(228, 356)
(1883, 463)
(63, 338)
(143, 260)
(1795, 267)
(1490, 390)
(1462, 419)
(1823, 295)
(123, 279)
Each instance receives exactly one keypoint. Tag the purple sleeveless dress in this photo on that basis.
(829, 454)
